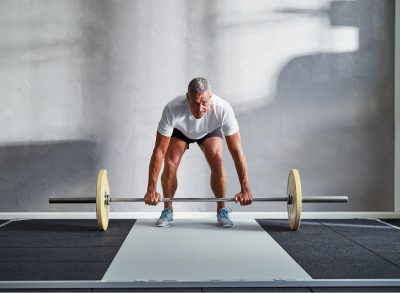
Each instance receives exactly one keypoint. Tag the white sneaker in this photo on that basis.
(166, 218)
(223, 218)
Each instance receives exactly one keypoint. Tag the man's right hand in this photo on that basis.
(152, 198)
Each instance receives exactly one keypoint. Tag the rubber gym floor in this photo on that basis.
(74, 250)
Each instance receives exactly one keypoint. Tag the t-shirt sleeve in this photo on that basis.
(165, 126)
(229, 123)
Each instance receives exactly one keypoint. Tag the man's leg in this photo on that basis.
(173, 156)
(212, 148)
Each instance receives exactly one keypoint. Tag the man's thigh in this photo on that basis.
(175, 151)
(212, 148)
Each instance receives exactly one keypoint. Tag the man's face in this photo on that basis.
(199, 103)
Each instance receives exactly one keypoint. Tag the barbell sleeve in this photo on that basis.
(323, 199)
(72, 200)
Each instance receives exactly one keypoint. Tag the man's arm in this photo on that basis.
(235, 148)
(152, 196)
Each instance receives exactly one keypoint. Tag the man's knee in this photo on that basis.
(170, 167)
(216, 164)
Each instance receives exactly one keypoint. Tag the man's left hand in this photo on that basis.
(244, 197)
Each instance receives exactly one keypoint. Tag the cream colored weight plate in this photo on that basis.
(294, 199)
(102, 202)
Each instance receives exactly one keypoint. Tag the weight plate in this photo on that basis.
(294, 206)
(102, 206)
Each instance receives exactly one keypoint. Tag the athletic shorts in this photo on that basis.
(178, 134)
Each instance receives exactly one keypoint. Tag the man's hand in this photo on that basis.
(244, 197)
(152, 198)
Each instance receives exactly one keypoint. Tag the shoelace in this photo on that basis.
(164, 213)
(224, 213)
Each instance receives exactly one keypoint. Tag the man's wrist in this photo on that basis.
(245, 188)
(151, 188)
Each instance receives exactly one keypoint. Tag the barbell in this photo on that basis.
(293, 198)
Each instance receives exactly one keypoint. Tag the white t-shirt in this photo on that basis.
(177, 114)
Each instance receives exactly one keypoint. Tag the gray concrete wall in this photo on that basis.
(83, 84)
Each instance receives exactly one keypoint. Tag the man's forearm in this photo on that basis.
(154, 169)
(241, 169)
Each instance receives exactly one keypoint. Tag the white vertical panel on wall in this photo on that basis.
(397, 108)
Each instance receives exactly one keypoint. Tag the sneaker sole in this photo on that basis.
(225, 226)
(164, 226)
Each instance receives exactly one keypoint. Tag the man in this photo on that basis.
(197, 117)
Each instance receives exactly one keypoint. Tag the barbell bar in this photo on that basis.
(294, 199)
(305, 199)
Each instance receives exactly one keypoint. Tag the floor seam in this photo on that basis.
(366, 248)
(6, 223)
(388, 224)
(285, 249)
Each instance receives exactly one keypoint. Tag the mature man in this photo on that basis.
(197, 117)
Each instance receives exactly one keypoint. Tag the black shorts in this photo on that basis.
(178, 134)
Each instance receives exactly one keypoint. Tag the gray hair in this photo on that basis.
(198, 85)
